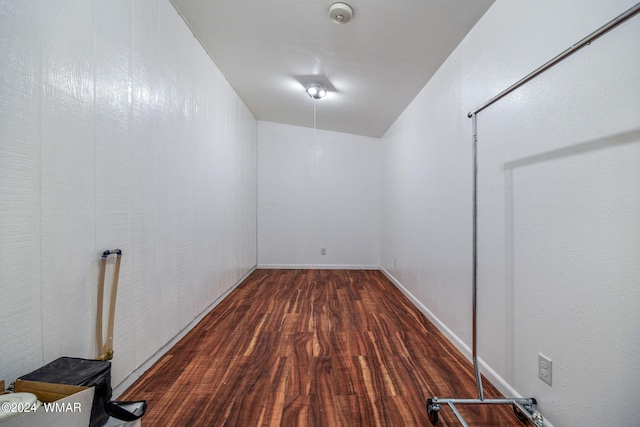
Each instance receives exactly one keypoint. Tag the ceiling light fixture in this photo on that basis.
(316, 91)
(340, 13)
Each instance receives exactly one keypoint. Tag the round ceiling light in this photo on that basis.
(340, 13)
(316, 91)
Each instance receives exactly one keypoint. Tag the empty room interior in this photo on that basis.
(364, 213)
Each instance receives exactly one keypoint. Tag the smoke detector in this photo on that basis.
(340, 13)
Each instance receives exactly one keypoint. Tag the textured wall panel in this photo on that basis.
(169, 145)
(564, 201)
(113, 164)
(68, 179)
(145, 177)
(113, 136)
(187, 55)
(20, 299)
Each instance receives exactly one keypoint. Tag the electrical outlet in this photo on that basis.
(544, 368)
(323, 251)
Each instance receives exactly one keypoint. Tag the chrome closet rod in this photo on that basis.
(474, 329)
(574, 48)
(570, 51)
(525, 406)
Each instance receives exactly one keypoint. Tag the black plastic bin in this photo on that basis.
(82, 372)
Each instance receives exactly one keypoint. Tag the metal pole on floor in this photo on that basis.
(474, 328)
(524, 408)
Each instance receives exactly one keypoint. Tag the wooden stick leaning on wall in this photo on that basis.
(105, 351)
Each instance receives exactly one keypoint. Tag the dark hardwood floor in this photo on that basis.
(312, 348)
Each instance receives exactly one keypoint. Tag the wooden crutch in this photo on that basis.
(105, 351)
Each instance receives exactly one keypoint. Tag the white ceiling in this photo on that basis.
(374, 65)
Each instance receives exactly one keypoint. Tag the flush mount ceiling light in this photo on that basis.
(340, 13)
(316, 91)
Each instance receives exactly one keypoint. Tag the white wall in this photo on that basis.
(559, 204)
(117, 130)
(317, 189)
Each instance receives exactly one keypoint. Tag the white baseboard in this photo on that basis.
(137, 373)
(318, 267)
(455, 340)
(503, 387)
(495, 379)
